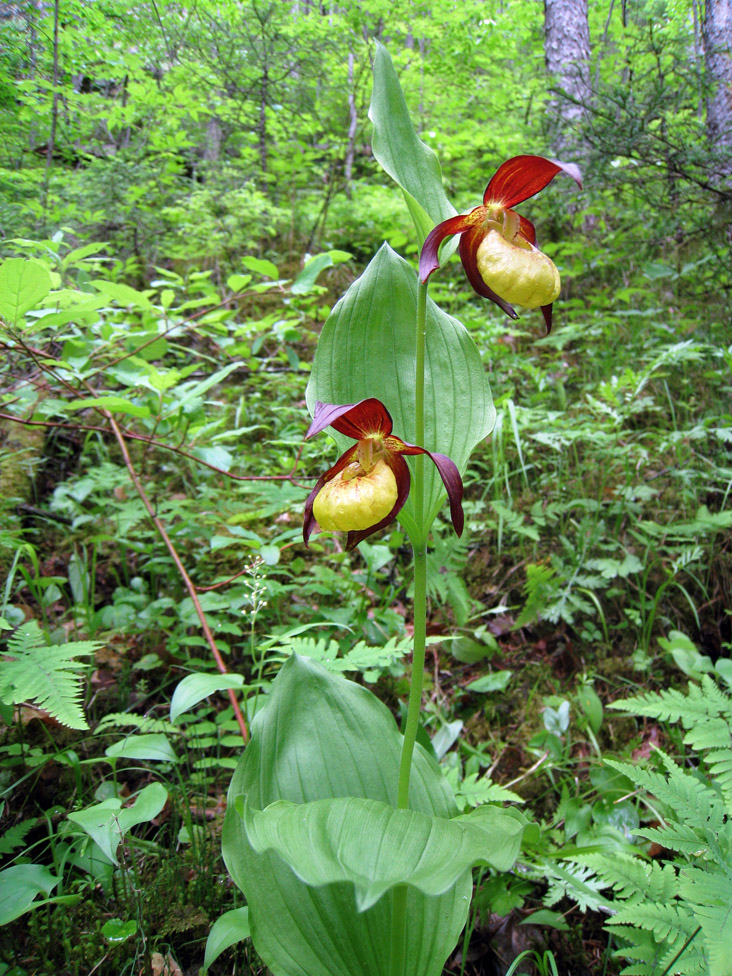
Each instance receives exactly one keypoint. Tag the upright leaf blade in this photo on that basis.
(366, 349)
(395, 144)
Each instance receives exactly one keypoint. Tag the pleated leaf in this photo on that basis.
(367, 349)
(320, 737)
(375, 847)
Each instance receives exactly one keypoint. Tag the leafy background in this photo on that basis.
(200, 158)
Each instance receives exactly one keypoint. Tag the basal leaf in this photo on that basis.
(153, 746)
(321, 736)
(366, 349)
(371, 845)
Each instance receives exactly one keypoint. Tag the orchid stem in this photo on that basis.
(419, 546)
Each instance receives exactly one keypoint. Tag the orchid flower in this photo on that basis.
(498, 246)
(368, 485)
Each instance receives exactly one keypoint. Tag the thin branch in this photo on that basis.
(207, 633)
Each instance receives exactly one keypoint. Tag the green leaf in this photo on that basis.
(107, 822)
(260, 266)
(366, 349)
(115, 404)
(115, 930)
(154, 746)
(375, 847)
(123, 295)
(318, 737)
(47, 674)
(409, 162)
(19, 885)
(23, 283)
(309, 275)
(496, 681)
(195, 687)
(232, 927)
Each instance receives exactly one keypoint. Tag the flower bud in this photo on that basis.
(355, 501)
(517, 271)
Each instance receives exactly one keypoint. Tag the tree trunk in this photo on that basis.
(717, 36)
(567, 55)
(51, 144)
(352, 128)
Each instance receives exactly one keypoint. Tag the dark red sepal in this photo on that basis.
(521, 177)
(547, 312)
(448, 471)
(356, 420)
(428, 258)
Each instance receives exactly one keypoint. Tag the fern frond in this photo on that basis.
(671, 925)
(698, 705)
(719, 764)
(47, 674)
(690, 800)
(575, 881)
(14, 837)
(678, 837)
(632, 878)
(143, 723)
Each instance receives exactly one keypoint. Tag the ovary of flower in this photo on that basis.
(516, 270)
(356, 499)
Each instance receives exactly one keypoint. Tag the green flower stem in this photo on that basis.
(419, 546)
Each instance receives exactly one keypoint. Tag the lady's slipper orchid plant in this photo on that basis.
(368, 485)
(498, 246)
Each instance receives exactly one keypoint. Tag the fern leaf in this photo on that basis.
(679, 837)
(14, 837)
(719, 763)
(143, 723)
(575, 881)
(632, 878)
(671, 925)
(691, 800)
(47, 674)
(698, 705)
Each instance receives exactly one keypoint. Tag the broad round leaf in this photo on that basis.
(321, 736)
(367, 349)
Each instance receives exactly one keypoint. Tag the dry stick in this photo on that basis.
(181, 569)
(131, 435)
(166, 539)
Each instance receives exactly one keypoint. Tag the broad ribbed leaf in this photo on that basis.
(375, 847)
(412, 164)
(321, 736)
(367, 349)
